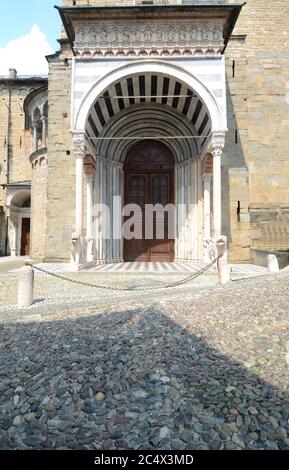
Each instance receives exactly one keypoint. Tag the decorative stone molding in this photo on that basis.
(198, 51)
(78, 142)
(217, 143)
(89, 166)
(38, 157)
(157, 39)
(207, 164)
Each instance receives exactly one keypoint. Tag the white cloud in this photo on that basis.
(26, 54)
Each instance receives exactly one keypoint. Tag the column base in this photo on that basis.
(209, 250)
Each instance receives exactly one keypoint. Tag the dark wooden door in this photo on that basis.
(149, 180)
(25, 237)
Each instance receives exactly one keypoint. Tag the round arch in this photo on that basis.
(21, 199)
(146, 119)
(166, 160)
(151, 67)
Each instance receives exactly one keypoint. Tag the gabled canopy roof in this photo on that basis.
(227, 12)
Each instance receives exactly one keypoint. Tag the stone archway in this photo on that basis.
(151, 67)
(150, 103)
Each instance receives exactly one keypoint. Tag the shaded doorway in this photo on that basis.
(149, 179)
(25, 237)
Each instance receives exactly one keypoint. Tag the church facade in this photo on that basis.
(182, 104)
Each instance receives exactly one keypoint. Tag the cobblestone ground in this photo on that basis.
(200, 368)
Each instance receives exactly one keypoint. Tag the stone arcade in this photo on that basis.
(138, 109)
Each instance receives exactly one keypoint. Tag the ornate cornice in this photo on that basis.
(186, 52)
(160, 38)
(38, 156)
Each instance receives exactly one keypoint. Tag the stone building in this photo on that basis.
(23, 131)
(182, 102)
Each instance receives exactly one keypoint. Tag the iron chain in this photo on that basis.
(187, 279)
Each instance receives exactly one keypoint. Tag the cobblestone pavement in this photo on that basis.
(204, 368)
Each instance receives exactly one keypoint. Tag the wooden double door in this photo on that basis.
(149, 180)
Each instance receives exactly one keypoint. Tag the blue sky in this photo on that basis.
(18, 16)
(28, 32)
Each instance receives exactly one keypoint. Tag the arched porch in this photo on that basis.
(18, 211)
(149, 102)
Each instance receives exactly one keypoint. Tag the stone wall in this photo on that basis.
(19, 140)
(61, 162)
(258, 108)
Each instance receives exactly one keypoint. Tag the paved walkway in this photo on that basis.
(136, 267)
(189, 267)
(12, 259)
(246, 270)
(204, 369)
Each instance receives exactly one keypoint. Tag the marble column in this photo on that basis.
(44, 131)
(121, 192)
(79, 194)
(100, 173)
(207, 205)
(78, 248)
(218, 142)
(104, 220)
(110, 192)
(34, 137)
(97, 179)
(117, 218)
(177, 211)
(181, 212)
(89, 217)
(13, 225)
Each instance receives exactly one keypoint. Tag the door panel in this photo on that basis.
(160, 246)
(136, 193)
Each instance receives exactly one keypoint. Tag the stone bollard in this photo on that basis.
(222, 263)
(272, 263)
(25, 287)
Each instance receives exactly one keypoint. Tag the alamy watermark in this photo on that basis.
(132, 221)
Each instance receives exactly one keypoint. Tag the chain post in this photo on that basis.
(222, 262)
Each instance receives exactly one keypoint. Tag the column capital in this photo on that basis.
(13, 219)
(89, 177)
(78, 143)
(217, 143)
(207, 177)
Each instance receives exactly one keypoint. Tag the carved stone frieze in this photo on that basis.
(114, 39)
(78, 141)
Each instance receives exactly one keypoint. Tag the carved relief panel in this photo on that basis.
(183, 38)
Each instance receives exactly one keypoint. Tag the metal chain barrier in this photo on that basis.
(187, 279)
